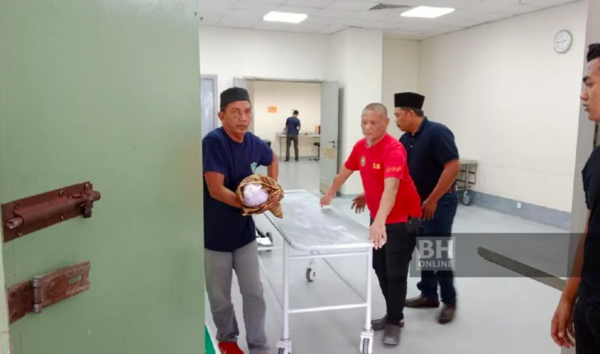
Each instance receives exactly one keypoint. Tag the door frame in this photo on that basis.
(215, 79)
(250, 79)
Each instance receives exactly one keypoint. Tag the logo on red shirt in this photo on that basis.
(363, 161)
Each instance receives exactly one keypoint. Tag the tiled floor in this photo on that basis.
(509, 315)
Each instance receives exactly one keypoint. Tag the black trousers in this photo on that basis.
(587, 328)
(288, 143)
(440, 226)
(391, 264)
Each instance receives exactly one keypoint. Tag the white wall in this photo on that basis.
(287, 97)
(356, 61)
(512, 101)
(229, 53)
(400, 73)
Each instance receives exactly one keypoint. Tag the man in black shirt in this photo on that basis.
(578, 312)
(433, 164)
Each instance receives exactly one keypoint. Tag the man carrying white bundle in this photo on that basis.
(229, 155)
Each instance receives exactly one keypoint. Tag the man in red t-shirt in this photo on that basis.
(393, 200)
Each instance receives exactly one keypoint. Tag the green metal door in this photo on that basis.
(107, 91)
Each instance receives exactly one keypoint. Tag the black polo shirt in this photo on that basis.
(590, 276)
(428, 150)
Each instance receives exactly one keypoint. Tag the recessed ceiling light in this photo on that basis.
(427, 12)
(287, 17)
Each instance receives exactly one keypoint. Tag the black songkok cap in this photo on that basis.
(233, 94)
(409, 100)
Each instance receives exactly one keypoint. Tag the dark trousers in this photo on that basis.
(288, 142)
(391, 266)
(440, 226)
(587, 328)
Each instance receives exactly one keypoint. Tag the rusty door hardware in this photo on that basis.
(34, 295)
(24, 216)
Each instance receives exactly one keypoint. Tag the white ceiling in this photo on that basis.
(330, 16)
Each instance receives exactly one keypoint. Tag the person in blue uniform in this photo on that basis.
(576, 321)
(230, 154)
(433, 163)
(292, 130)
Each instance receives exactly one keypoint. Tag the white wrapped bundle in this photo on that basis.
(266, 194)
(254, 195)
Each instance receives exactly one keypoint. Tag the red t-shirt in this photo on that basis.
(384, 160)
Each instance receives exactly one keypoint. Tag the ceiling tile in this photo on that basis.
(330, 29)
(326, 20)
(352, 5)
(457, 17)
(372, 24)
(418, 25)
(237, 22)
(380, 15)
(270, 26)
(439, 3)
(483, 19)
(298, 9)
(456, 4)
(319, 4)
(460, 16)
(337, 13)
(254, 6)
(551, 3)
(493, 6)
(263, 1)
(252, 14)
(207, 6)
(396, 2)
(522, 2)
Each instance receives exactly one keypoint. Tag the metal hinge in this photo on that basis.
(24, 216)
(34, 295)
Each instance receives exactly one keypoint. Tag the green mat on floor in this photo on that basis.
(210, 349)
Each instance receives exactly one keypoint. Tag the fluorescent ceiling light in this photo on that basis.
(427, 12)
(287, 17)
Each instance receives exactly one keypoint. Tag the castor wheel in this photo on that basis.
(311, 274)
(466, 198)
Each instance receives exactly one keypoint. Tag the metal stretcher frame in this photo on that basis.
(334, 246)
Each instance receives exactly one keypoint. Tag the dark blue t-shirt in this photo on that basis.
(428, 150)
(590, 274)
(225, 229)
(293, 126)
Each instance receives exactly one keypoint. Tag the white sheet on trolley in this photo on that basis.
(308, 227)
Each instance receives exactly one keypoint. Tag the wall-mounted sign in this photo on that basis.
(272, 109)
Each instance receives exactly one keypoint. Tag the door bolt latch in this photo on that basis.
(24, 216)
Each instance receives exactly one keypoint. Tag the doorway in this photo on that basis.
(317, 103)
(208, 94)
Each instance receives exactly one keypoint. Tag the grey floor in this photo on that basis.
(496, 315)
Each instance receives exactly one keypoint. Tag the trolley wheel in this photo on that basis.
(466, 198)
(365, 346)
(311, 274)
